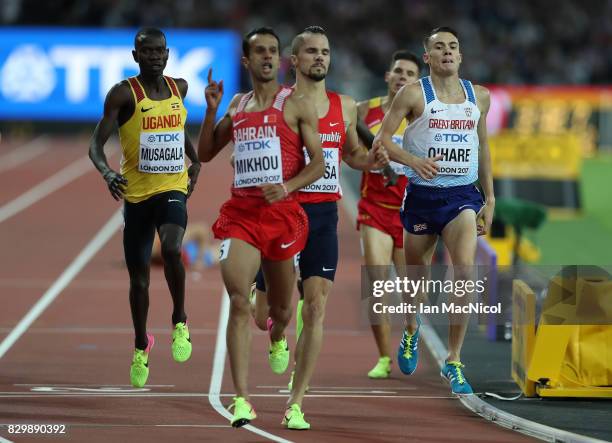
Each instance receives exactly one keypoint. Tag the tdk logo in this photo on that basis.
(254, 145)
(165, 138)
(328, 155)
(453, 138)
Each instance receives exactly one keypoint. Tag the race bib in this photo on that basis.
(329, 183)
(456, 149)
(162, 152)
(257, 162)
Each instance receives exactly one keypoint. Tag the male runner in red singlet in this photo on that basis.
(337, 114)
(378, 220)
(262, 223)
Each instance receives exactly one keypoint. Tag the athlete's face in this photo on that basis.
(263, 59)
(442, 54)
(402, 72)
(151, 55)
(313, 58)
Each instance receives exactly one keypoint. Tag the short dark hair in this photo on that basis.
(435, 31)
(405, 55)
(147, 32)
(298, 40)
(246, 44)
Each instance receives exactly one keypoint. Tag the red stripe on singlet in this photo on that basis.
(170, 81)
(140, 95)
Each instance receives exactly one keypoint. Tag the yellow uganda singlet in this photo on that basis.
(153, 144)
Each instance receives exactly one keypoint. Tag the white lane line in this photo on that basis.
(216, 378)
(64, 385)
(191, 426)
(108, 330)
(99, 394)
(123, 425)
(100, 239)
(22, 154)
(359, 388)
(119, 330)
(46, 187)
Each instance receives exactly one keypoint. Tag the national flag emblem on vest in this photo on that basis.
(176, 106)
(269, 119)
(468, 112)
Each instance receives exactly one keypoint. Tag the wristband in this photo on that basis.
(285, 189)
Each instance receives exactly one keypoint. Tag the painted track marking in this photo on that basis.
(216, 378)
(92, 248)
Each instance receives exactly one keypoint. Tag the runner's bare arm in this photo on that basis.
(485, 175)
(403, 104)
(353, 153)
(118, 98)
(308, 123)
(213, 137)
(301, 116)
(364, 133)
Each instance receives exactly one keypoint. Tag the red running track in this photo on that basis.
(71, 366)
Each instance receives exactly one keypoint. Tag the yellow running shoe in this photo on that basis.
(294, 419)
(139, 370)
(181, 343)
(382, 368)
(243, 412)
(279, 356)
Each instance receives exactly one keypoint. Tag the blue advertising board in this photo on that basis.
(65, 73)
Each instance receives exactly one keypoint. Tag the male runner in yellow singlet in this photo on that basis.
(154, 183)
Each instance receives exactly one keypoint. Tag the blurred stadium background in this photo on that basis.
(549, 69)
(548, 66)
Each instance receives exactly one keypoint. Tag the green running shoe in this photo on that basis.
(139, 370)
(279, 356)
(181, 343)
(294, 418)
(382, 368)
(243, 412)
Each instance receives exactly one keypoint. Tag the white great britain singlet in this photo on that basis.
(447, 129)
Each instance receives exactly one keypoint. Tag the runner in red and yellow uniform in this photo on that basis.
(378, 218)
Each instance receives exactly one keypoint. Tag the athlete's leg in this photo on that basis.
(280, 278)
(138, 235)
(418, 251)
(378, 255)
(171, 239)
(260, 307)
(460, 239)
(238, 270)
(262, 310)
(316, 292)
(299, 326)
